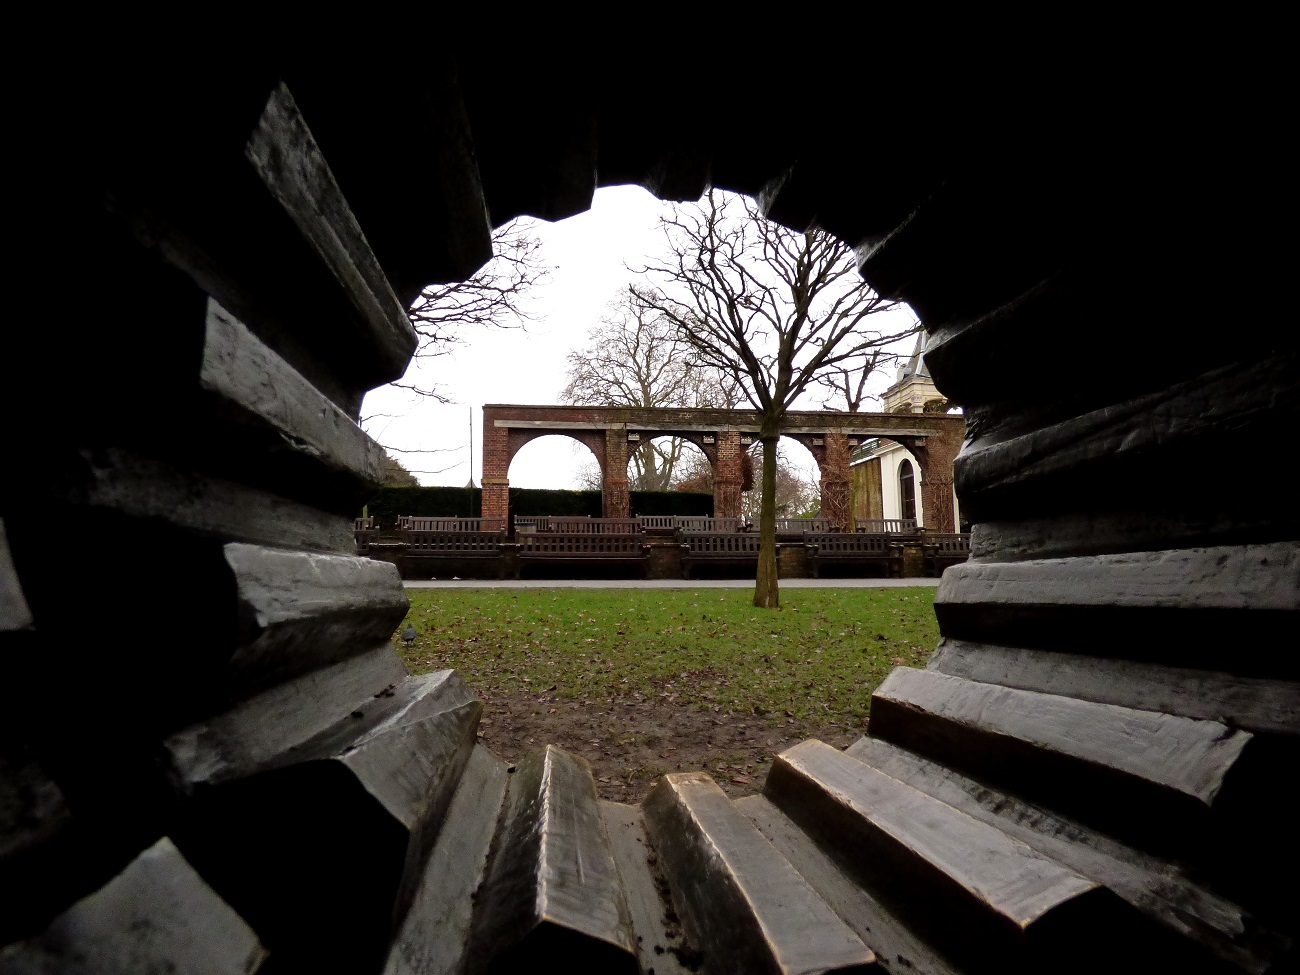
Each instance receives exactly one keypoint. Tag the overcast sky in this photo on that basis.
(589, 256)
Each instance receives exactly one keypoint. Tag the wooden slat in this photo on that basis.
(301, 610)
(1158, 888)
(659, 943)
(156, 916)
(898, 948)
(552, 895)
(741, 901)
(433, 939)
(1145, 773)
(974, 892)
(1252, 703)
(323, 845)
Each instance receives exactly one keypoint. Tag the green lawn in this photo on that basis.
(816, 658)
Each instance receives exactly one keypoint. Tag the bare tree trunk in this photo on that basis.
(766, 594)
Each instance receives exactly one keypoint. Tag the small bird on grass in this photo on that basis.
(409, 633)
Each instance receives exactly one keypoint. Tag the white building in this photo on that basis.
(886, 477)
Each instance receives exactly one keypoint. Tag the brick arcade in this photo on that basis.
(723, 436)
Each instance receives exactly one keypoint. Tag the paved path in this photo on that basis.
(660, 583)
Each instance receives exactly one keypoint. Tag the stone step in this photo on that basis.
(552, 894)
(433, 938)
(1160, 889)
(896, 946)
(1151, 777)
(740, 901)
(156, 916)
(660, 946)
(1186, 607)
(320, 839)
(983, 899)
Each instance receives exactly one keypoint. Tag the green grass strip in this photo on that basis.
(817, 658)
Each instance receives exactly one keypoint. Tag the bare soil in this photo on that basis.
(630, 743)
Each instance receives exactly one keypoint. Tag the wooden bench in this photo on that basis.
(450, 524)
(582, 548)
(854, 549)
(792, 525)
(657, 523)
(532, 523)
(886, 526)
(451, 546)
(595, 526)
(703, 523)
(718, 548)
(944, 549)
(365, 532)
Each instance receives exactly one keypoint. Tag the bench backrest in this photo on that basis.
(875, 526)
(947, 543)
(420, 541)
(447, 524)
(804, 525)
(364, 533)
(657, 522)
(594, 526)
(703, 523)
(721, 543)
(851, 543)
(594, 544)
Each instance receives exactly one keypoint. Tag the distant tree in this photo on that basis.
(444, 313)
(769, 307)
(796, 495)
(635, 357)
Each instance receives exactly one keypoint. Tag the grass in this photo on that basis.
(817, 658)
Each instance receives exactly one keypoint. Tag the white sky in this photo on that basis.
(587, 255)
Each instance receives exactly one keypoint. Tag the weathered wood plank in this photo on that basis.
(323, 846)
(155, 918)
(553, 889)
(301, 610)
(137, 486)
(658, 933)
(433, 938)
(290, 164)
(1158, 888)
(1149, 776)
(1253, 703)
(742, 902)
(897, 948)
(975, 893)
(15, 614)
(1186, 607)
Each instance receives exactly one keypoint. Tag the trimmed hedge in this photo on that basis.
(464, 502)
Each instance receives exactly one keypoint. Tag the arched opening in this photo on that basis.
(907, 489)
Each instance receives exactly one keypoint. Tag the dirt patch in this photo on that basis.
(630, 743)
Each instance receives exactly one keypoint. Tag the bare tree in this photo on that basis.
(635, 357)
(443, 313)
(796, 494)
(770, 307)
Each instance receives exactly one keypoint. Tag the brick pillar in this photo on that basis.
(614, 499)
(496, 464)
(935, 458)
(836, 490)
(728, 475)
